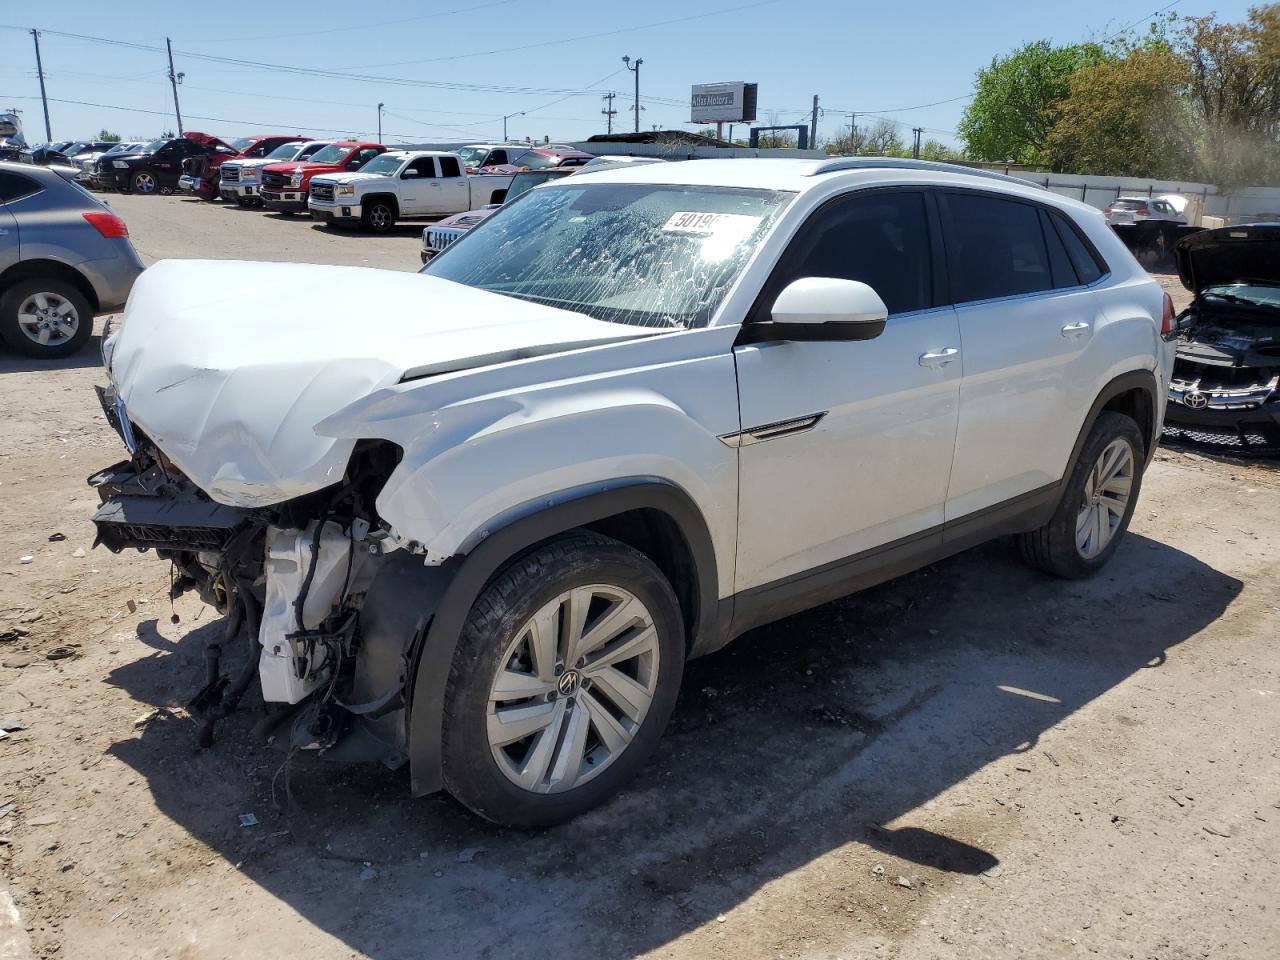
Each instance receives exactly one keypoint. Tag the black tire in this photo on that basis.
(532, 581)
(12, 332)
(1052, 548)
(379, 216)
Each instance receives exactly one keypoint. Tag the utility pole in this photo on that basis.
(813, 125)
(636, 71)
(915, 151)
(44, 99)
(608, 111)
(380, 106)
(174, 80)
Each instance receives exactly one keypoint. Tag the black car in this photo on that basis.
(63, 153)
(1225, 391)
(154, 168)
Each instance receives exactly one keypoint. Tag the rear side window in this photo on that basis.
(1085, 261)
(995, 248)
(881, 239)
(1064, 274)
(14, 186)
(496, 157)
(449, 167)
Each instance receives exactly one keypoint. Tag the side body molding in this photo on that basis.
(471, 572)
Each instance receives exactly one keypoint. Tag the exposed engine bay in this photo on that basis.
(1228, 369)
(296, 575)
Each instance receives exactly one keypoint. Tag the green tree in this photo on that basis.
(107, 136)
(879, 139)
(1014, 104)
(1125, 118)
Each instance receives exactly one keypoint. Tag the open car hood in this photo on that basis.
(207, 140)
(1230, 255)
(228, 366)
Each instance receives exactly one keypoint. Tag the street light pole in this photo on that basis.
(380, 106)
(636, 70)
(505, 118)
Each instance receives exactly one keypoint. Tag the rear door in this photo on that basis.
(454, 194)
(1027, 316)
(13, 187)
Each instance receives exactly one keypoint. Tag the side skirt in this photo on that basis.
(782, 598)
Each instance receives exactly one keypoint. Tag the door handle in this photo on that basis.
(1077, 329)
(939, 359)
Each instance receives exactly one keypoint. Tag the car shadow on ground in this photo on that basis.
(90, 355)
(824, 732)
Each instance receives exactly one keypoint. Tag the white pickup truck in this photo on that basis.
(403, 185)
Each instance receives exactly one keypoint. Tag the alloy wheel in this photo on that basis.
(1106, 499)
(48, 319)
(573, 688)
(144, 183)
(380, 217)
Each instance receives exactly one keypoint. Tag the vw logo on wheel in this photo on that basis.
(568, 683)
(1196, 400)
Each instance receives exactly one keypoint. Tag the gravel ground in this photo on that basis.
(972, 761)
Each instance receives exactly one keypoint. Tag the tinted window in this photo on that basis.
(995, 248)
(449, 167)
(14, 186)
(1088, 267)
(881, 239)
(1064, 274)
(361, 158)
(426, 166)
(498, 156)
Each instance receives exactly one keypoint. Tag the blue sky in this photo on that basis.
(864, 57)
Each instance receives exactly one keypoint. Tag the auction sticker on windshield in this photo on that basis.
(706, 224)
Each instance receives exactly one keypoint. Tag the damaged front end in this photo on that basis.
(297, 575)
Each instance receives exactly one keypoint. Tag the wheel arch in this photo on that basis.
(44, 267)
(388, 198)
(1136, 394)
(652, 515)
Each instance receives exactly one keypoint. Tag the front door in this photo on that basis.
(417, 189)
(846, 447)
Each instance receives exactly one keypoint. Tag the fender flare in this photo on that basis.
(471, 572)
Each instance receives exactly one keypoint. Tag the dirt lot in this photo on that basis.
(974, 761)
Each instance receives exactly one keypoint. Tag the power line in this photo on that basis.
(355, 25)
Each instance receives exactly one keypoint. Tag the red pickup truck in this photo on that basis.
(285, 185)
(200, 175)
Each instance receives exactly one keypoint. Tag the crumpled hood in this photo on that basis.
(1212, 258)
(228, 366)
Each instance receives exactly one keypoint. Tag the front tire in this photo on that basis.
(378, 217)
(45, 319)
(566, 673)
(1096, 505)
(144, 182)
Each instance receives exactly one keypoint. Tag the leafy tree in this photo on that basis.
(1125, 118)
(107, 136)
(1233, 88)
(936, 150)
(1014, 106)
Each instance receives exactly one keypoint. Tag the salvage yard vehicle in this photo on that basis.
(439, 235)
(285, 185)
(64, 256)
(86, 163)
(1225, 391)
(402, 185)
(202, 174)
(156, 167)
(477, 155)
(1136, 209)
(239, 180)
(634, 415)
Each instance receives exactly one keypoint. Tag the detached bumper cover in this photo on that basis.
(146, 510)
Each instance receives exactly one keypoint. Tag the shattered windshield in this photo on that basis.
(1259, 294)
(652, 255)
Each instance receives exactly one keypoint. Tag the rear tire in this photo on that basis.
(582, 640)
(54, 309)
(1096, 505)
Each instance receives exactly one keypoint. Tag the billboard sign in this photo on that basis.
(723, 103)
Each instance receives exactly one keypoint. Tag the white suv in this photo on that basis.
(617, 424)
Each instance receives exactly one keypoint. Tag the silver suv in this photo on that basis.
(64, 257)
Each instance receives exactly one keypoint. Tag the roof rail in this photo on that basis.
(905, 163)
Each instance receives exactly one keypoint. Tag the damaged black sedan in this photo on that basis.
(1225, 391)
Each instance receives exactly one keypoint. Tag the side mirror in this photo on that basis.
(824, 309)
(408, 173)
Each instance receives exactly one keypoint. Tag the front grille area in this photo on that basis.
(439, 239)
(322, 191)
(278, 181)
(230, 174)
(1242, 438)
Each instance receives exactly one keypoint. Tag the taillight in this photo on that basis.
(107, 224)
(1167, 321)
